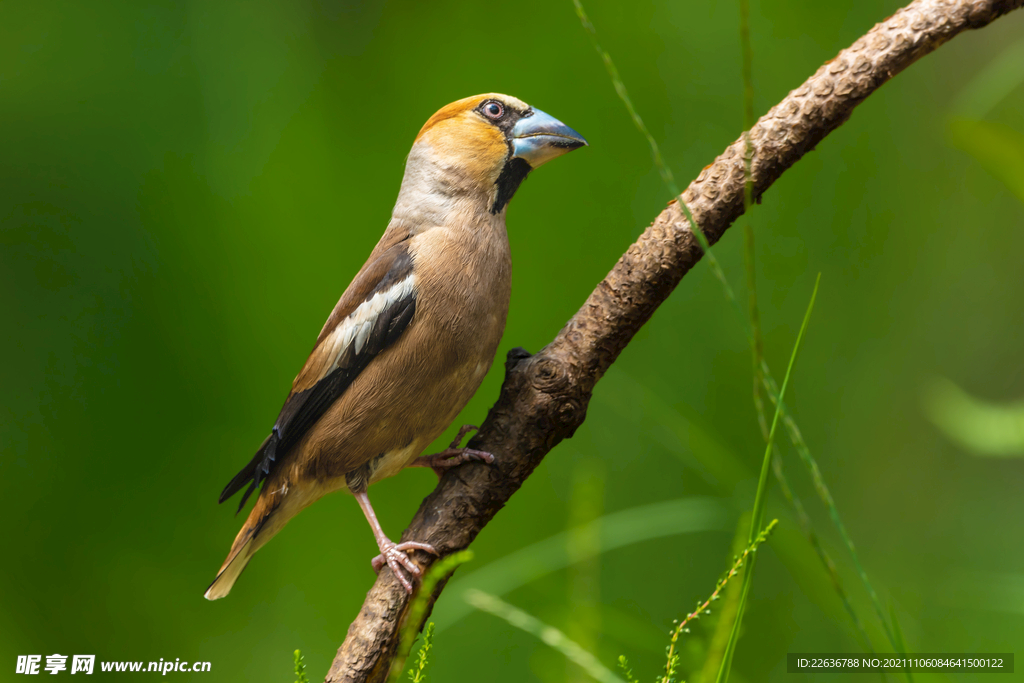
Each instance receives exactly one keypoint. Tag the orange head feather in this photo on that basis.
(486, 144)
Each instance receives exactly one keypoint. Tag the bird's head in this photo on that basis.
(486, 145)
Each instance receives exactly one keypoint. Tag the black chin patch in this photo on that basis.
(514, 173)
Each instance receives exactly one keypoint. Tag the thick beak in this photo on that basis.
(539, 137)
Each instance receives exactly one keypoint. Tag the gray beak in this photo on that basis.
(539, 138)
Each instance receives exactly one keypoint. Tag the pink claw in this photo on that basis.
(453, 455)
(394, 555)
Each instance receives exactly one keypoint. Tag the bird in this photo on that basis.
(412, 336)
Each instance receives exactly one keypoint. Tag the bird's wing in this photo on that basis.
(371, 315)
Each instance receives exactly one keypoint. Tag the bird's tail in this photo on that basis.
(266, 519)
(231, 570)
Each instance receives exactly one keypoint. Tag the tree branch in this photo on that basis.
(544, 397)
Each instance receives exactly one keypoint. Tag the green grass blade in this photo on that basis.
(989, 429)
(547, 634)
(615, 530)
(761, 497)
(901, 642)
(418, 609)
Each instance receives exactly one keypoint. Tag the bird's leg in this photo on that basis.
(391, 553)
(453, 455)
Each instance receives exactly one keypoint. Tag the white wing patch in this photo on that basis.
(356, 328)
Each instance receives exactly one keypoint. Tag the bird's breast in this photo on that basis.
(464, 289)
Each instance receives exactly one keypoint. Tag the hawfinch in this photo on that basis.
(413, 335)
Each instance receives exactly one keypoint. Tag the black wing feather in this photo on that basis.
(302, 409)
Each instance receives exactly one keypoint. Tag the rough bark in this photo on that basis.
(544, 397)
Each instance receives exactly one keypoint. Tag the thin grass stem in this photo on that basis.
(659, 162)
(761, 497)
(705, 607)
(300, 668)
(417, 673)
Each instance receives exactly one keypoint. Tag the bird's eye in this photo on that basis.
(493, 110)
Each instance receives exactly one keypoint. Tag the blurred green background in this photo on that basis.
(187, 188)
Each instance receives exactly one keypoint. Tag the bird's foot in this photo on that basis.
(453, 455)
(450, 457)
(402, 566)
